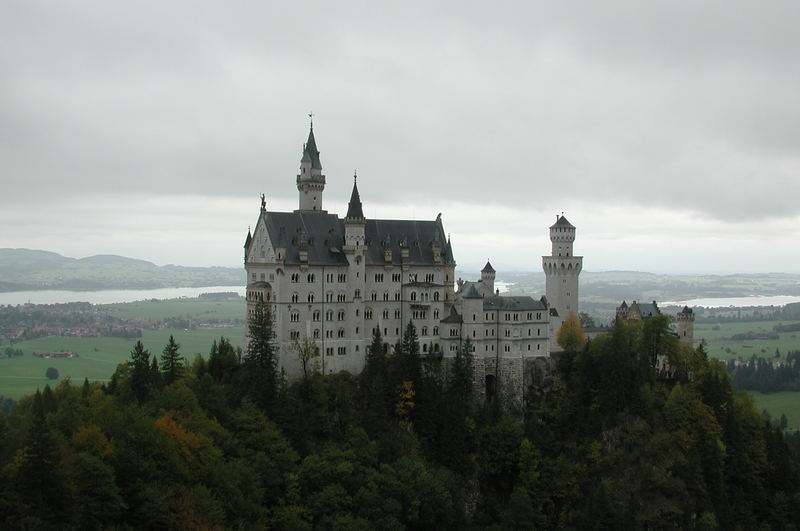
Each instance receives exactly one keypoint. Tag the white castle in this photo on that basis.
(335, 280)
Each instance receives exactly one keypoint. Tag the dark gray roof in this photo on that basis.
(471, 293)
(248, 239)
(648, 309)
(310, 152)
(686, 309)
(394, 234)
(453, 317)
(562, 222)
(323, 235)
(488, 268)
(259, 284)
(501, 302)
(354, 210)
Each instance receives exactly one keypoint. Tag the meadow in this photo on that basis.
(98, 357)
(784, 402)
(720, 346)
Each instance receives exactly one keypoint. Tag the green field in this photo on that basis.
(784, 402)
(197, 308)
(98, 357)
(718, 346)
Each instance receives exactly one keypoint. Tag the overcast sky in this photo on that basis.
(667, 132)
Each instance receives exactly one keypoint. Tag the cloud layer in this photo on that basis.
(652, 107)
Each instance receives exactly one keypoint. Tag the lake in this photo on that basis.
(109, 296)
(723, 302)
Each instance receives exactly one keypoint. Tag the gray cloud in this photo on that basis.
(676, 106)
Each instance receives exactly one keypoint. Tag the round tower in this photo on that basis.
(561, 270)
(685, 325)
(310, 181)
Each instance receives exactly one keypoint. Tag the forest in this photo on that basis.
(606, 441)
(767, 375)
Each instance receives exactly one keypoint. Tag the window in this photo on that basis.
(295, 277)
(413, 295)
(341, 351)
(436, 330)
(397, 314)
(429, 277)
(294, 317)
(315, 316)
(310, 297)
(396, 277)
(341, 297)
(374, 296)
(385, 314)
(253, 276)
(378, 277)
(316, 333)
(424, 331)
(507, 348)
(397, 295)
(329, 351)
(310, 278)
(329, 277)
(368, 313)
(329, 333)
(295, 297)
(436, 295)
(340, 315)
(340, 332)
(357, 294)
(329, 297)
(329, 315)
(294, 335)
(386, 295)
(435, 314)
(341, 277)
(507, 332)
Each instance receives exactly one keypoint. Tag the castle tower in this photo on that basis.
(310, 181)
(561, 270)
(487, 278)
(685, 322)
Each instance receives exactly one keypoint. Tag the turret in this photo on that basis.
(310, 180)
(487, 278)
(354, 222)
(562, 236)
(561, 271)
(685, 325)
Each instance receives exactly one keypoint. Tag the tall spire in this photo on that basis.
(354, 209)
(310, 151)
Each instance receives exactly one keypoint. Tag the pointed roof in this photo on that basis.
(561, 221)
(488, 268)
(248, 239)
(354, 210)
(310, 152)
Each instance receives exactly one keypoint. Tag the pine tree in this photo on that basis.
(140, 372)
(261, 361)
(171, 362)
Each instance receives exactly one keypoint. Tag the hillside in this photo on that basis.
(27, 269)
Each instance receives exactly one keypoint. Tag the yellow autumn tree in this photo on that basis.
(570, 336)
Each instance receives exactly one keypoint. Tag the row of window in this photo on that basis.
(510, 316)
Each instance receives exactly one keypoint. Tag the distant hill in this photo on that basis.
(30, 269)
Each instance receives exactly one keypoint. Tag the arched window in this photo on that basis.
(413, 295)
(435, 295)
(295, 297)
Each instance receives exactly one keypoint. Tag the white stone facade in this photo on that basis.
(335, 280)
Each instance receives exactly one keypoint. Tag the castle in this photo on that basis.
(335, 280)
(640, 311)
